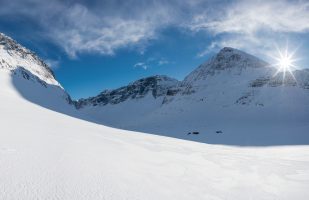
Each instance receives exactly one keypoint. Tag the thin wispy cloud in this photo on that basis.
(141, 65)
(163, 62)
(152, 62)
(52, 63)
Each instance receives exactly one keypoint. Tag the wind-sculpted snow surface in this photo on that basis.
(48, 155)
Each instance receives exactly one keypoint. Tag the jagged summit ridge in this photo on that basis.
(228, 59)
(233, 58)
(157, 86)
(13, 56)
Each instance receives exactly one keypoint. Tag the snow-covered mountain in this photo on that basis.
(228, 60)
(156, 86)
(230, 91)
(233, 76)
(32, 77)
(14, 56)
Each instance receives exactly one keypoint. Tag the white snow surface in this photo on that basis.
(48, 155)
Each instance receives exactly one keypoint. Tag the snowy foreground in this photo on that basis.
(48, 155)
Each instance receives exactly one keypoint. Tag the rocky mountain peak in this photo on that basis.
(228, 59)
(157, 86)
(154, 81)
(13, 56)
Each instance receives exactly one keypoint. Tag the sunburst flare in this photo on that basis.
(285, 62)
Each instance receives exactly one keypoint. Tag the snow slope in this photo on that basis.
(48, 155)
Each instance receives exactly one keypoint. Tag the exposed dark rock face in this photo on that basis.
(228, 58)
(245, 99)
(260, 82)
(298, 78)
(13, 48)
(156, 85)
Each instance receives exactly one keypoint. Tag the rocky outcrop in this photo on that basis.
(157, 86)
(14, 55)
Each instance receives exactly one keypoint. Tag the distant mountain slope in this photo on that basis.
(156, 86)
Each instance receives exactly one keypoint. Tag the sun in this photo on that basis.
(285, 62)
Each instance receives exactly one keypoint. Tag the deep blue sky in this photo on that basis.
(97, 45)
